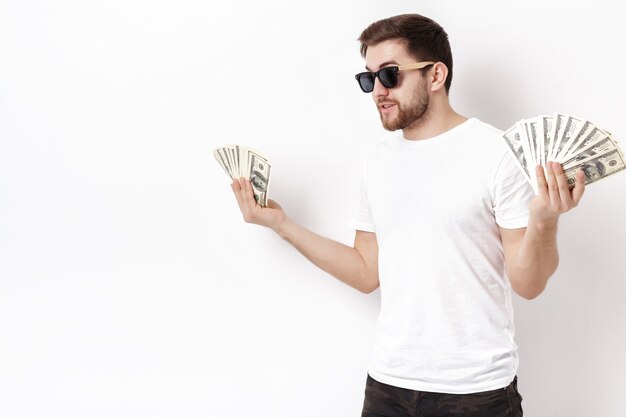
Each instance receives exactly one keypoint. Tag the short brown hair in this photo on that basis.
(425, 39)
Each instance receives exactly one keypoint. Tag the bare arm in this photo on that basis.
(356, 266)
(530, 253)
(532, 258)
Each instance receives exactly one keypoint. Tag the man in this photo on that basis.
(594, 171)
(445, 248)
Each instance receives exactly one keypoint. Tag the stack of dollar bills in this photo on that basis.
(241, 161)
(573, 142)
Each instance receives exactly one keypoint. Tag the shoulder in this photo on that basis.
(488, 139)
(486, 127)
(484, 130)
(496, 158)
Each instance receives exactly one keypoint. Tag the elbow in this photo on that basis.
(528, 292)
(369, 285)
(531, 284)
(368, 290)
(529, 295)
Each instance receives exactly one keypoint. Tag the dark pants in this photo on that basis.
(382, 400)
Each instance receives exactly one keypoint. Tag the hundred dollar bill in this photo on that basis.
(515, 144)
(592, 135)
(531, 128)
(259, 171)
(597, 167)
(573, 142)
(234, 153)
(585, 129)
(221, 159)
(545, 129)
(559, 123)
(570, 129)
(599, 148)
(230, 160)
(241, 161)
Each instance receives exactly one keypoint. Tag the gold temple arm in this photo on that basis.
(418, 65)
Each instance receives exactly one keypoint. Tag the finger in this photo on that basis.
(272, 204)
(242, 198)
(553, 189)
(236, 187)
(243, 193)
(579, 187)
(563, 186)
(249, 194)
(542, 184)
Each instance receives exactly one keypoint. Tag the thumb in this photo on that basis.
(273, 204)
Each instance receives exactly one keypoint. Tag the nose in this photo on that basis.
(379, 89)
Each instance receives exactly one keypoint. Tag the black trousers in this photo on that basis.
(382, 400)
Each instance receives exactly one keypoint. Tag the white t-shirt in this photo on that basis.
(446, 319)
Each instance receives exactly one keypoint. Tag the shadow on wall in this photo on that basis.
(488, 91)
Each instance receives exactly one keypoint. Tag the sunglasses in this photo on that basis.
(388, 76)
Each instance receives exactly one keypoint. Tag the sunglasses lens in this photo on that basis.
(366, 81)
(388, 77)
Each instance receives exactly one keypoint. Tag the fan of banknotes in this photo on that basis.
(573, 142)
(240, 161)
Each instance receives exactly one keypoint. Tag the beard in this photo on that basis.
(408, 114)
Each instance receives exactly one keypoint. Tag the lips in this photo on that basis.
(386, 107)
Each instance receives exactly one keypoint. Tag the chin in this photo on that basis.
(390, 128)
(390, 125)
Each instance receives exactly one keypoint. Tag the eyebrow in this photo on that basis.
(384, 64)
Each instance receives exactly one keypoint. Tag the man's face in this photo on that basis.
(404, 105)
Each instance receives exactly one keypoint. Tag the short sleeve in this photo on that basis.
(361, 218)
(511, 195)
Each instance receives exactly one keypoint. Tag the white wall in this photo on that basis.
(129, 284)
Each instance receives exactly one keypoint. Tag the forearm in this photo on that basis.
(533, 262)
(347, 264)
(341, 261)
(536, 259)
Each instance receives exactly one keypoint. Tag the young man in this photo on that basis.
(446, 248)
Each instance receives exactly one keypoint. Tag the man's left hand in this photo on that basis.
(555, 197)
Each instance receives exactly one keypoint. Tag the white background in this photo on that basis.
(129, 284)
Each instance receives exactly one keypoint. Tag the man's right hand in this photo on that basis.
(271, 216)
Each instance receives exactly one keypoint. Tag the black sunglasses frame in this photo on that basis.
(388, 76)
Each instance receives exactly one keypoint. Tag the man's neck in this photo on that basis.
(434, 122)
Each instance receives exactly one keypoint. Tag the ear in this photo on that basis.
(438, 76)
